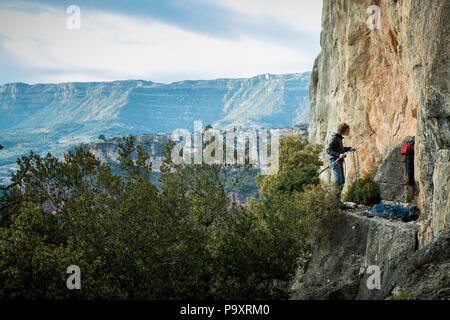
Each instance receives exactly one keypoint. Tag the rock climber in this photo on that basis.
(336, 153)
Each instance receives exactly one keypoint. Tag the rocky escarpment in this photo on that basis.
(345, 258)
(394, 80)
(107, 150)
(147, 107)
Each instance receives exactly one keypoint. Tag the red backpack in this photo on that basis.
(405, 148)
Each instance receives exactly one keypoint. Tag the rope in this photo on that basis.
(393, 212)
(356, 175)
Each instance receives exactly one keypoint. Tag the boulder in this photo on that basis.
(341, 257)
(392, 178)
(425, 275)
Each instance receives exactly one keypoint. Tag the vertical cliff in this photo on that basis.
(394, 80)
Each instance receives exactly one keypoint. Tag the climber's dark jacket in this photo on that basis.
(336, 147)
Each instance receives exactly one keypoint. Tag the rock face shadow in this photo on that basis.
(392, 178)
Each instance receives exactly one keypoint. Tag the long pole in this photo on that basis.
(329, 166)
(373, 132)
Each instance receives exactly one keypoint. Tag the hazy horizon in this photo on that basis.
(149, 80)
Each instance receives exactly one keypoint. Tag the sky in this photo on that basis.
(158, 40)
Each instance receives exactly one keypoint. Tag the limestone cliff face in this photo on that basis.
(108, 151)
(394, 80)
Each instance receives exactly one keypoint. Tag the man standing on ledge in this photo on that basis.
(336, 153)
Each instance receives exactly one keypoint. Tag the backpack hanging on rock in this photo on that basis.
(405, 148)
(408, 150)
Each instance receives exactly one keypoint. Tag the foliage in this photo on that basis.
(291, 210)
(369, 192)
(401, 296)
(133, 240)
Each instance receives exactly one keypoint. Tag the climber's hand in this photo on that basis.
(352, 149)
(342, 155)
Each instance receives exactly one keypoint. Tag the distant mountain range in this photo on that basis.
(54, 117)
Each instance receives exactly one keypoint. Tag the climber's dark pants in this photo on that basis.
(339, 177)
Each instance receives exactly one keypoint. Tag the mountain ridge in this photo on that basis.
(54, 117)
(150, 81)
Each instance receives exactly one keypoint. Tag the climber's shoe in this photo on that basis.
(350, 205)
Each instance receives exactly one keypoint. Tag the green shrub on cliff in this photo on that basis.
(401, 296)
(365, 189)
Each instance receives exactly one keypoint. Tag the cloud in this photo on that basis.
(302, 15)
(111, 46)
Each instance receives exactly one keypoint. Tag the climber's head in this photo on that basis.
(343, 129)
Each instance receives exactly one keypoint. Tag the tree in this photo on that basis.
(132, 240)
(278, 225)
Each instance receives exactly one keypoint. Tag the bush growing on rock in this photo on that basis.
(368, 194)
(401, 296)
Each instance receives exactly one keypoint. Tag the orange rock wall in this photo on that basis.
(377, 79)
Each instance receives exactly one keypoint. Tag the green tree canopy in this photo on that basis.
(132, 240)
